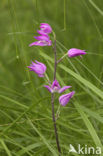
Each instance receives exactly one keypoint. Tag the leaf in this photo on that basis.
(44, 139)
(89, 126)
(5, 147)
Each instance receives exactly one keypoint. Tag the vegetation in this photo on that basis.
(26, 127)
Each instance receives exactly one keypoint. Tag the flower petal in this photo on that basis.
(43, 66)
(55, 84)
(39, 43)
(41, 32)
(42, 37)
(63, 89)
(49, 43)
(48, 87)
(40, 75)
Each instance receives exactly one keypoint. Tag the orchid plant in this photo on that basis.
(40, 69)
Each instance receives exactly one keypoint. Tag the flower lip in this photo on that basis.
(48, 88)
(42, 38)
(41, 32)
(41, 43)
(64, 99)
(73, 52)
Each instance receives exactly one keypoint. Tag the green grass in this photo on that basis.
(26, 127)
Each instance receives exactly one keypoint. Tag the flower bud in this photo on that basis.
(64, 99)
(75, 52)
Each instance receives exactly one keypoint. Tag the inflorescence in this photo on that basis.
(39, 68)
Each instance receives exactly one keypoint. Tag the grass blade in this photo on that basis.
(89, 126)
(5, 147)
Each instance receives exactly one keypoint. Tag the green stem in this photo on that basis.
(62, 57)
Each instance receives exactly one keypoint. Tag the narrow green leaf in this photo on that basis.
(44, 139)
(13, 101)
(84, 81)
(96, 7)
(93, 114)
(89, 126)
(5, 147)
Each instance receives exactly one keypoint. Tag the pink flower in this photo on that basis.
(55, 87)
(75, 52)
(64, 99)
(46, 28)
(38, 67)
(41, 43)
(44, 39)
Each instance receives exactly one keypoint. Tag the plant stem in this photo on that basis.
(55, 57)
(47, 79)
(52, 98)
(62, 58)
(54, 121)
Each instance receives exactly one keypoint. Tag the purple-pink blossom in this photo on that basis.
(38, 67)
(75, 52)
(45, 28)
(41, 43)
(64, 99)
(43, 39)
(55, 87)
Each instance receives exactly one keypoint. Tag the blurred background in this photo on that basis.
(25, 109)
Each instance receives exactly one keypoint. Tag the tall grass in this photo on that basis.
(25, 110)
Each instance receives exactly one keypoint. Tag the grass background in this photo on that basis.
(26, 127)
